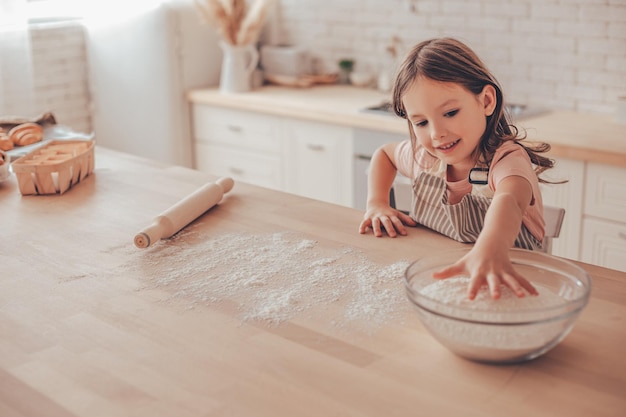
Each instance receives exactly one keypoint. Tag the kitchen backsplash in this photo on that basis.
(568, 54)
(61, 74)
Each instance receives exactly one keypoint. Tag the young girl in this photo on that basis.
(474, 181)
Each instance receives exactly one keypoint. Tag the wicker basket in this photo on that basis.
(55, 167)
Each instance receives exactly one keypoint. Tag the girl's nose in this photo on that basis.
(437, 131)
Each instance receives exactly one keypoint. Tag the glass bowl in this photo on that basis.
(507, 330)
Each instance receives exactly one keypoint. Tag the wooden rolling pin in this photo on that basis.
(184, 212)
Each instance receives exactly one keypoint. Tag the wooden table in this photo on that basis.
(83, 333)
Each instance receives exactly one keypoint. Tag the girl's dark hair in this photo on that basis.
(449, 60)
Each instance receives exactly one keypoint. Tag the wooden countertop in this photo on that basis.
(92, 326)
(581, 136)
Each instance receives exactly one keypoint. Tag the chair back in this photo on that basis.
(553, 216)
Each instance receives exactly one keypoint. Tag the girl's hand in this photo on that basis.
(383, 217)
(488, 261)
(488, 267)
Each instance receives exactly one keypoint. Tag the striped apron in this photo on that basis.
(463, 221)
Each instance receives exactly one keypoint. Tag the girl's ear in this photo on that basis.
(489, 99)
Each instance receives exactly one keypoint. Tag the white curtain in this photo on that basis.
(17, 93)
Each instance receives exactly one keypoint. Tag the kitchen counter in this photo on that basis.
(92, 326)
(335, 104)
(581, 136)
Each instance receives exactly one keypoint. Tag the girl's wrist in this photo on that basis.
(493, 244)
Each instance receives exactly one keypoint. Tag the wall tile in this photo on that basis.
(531, 45)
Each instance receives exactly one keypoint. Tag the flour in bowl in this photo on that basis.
(475, 330)
(453, 291)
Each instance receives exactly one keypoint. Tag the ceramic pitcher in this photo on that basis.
(238, 63)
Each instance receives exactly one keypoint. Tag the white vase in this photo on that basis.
(238, 63)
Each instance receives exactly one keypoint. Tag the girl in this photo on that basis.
(474, 181)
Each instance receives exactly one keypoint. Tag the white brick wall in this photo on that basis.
(60, 72)
(568, 54)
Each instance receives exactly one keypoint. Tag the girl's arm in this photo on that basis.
(379, 215)
(488, 261)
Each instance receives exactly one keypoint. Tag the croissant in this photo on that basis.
(6, 144)
(26, 134)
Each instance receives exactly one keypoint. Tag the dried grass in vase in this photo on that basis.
(235, 22)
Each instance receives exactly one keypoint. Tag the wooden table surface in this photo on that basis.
(86, 331)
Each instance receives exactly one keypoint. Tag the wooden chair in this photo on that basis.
(553, 217)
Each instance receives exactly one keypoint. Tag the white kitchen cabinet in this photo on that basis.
(604, 243)
(604, 222)
(570, 197)
(246, 146)
(302, 157)
(606, 192)
(237, 128)
(252, 167)
(319, 161)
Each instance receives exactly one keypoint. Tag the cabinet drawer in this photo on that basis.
(249, 167)
(236, 128)
(605, 192)
(604, 244)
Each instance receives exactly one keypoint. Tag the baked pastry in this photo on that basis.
(6, 144)
(26, 134)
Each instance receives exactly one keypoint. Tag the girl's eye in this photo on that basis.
(421, 123)
(452, 113)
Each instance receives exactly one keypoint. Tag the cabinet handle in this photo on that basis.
(316, 148)
(622, 235)
(235, 170)
(233, 128)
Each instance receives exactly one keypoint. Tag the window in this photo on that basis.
(40, 11)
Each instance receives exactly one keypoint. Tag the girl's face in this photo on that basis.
(448, 120)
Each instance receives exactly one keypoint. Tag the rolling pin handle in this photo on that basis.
(226, 183)
(142, 240)
(152, 233)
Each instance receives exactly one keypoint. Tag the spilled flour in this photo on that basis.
(274, 277)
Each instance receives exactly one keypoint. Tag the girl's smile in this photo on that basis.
(449, 146)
